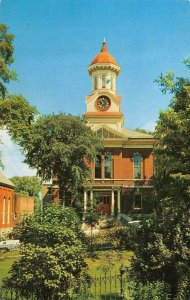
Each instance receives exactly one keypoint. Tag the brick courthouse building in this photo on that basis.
(123, 173)
(122, 176)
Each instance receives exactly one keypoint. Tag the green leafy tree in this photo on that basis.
(15, 111)
(163, 252)
(52, 262)
(62, 146)
(92, 218)
(17, 115)
(143, 130)
(29, 185)
(155, 291)
(6, 59)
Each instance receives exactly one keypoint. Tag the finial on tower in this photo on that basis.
(104, 46)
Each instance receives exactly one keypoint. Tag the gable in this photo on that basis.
(4, 181)
(107, 133)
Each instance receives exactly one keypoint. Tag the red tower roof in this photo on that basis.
(104, 56)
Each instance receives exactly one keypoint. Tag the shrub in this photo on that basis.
(157, 290)
(53, 252)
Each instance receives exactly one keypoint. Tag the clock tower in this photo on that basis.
(122, 173)
(104, 105)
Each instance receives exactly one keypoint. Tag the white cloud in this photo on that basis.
(12, 158)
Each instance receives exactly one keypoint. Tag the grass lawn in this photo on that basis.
(104, 263)
(107, 264)
(6, 261)
(5, 266)
(108, 261)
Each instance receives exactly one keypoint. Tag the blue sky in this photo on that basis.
(55, 41)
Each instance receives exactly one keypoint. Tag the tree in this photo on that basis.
(29, 185)
(163, 252)
(17, 115)
(15, 111)
(143, 131)
(56, 145)
(62, 146)
(52, 262)
(92, 218)
(6, 59)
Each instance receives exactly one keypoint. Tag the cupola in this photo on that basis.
(104, 56)
(104, 70)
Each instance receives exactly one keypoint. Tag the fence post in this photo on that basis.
(122, 271)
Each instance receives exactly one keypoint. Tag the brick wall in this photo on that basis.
(22, 204)
(6, 209)
(123, 165)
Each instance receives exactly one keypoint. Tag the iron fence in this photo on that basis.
(107, 287)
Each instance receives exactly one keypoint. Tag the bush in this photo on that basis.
(157, 290)
(53, 252)
(120, 237)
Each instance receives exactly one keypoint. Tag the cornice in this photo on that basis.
(104, 66)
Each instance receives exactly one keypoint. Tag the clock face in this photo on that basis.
(103, 103)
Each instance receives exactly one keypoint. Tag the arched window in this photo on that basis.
(8, 210)
(98, 166)
(108, 165)
(95, 82)
(137, 166)
(112, 83)
(3, 210)
(103, 81)
(103, 166)
(105, 133)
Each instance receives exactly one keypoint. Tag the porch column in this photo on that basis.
(118, 201)
(112, 202)
(85, 200)
(91, 198)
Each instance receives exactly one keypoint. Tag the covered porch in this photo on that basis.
(119, 200)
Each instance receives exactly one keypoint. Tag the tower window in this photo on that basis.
(95, 82)
(111, 82)
(103, 81)
(137, 166)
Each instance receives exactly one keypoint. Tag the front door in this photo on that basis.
(105, 204)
